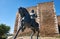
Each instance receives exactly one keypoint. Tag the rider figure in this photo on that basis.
(33, 16)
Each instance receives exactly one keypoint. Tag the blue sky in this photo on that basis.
(8, 9)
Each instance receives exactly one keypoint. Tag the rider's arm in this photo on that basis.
(35, 15)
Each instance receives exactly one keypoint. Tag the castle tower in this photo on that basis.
(48, 18)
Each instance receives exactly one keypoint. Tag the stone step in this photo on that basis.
(34, 37)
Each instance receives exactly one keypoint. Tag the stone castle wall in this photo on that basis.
(47, 19)
(58, 19)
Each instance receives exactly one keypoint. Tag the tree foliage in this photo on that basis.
(4, 29)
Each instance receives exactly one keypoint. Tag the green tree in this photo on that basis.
(4, 29)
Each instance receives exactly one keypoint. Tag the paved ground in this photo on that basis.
(28, 37)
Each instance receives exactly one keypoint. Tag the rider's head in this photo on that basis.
(32, 11)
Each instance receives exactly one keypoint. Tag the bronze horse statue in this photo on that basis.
(26, 20)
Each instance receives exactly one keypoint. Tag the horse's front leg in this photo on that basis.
(17, 32)
(20, 28)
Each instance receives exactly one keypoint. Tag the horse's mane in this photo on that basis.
(26, 12)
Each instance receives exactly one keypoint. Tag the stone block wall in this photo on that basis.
(58, 17)
(47, 19)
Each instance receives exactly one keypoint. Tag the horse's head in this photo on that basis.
(23, 11)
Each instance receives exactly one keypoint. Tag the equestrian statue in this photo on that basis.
(28, 19)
